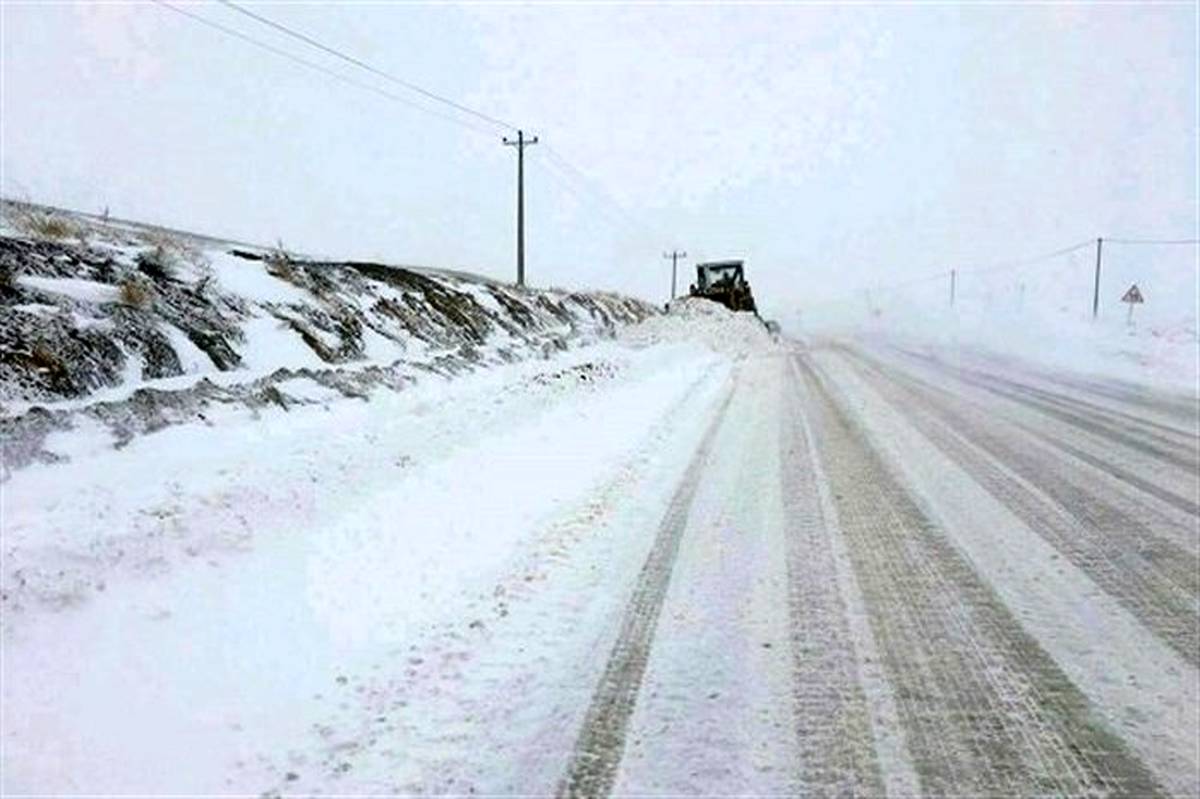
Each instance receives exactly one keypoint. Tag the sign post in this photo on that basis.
(1133, 296)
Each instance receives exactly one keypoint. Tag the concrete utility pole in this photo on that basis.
(520, 143)
(1096, 290)
(953, 275)
(674, 255)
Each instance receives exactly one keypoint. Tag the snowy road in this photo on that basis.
(829, 570)
(918, 578)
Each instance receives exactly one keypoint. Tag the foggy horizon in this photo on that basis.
(833, 149)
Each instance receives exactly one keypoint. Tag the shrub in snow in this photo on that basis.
(136, 293)
(158, 263)
(42, 224)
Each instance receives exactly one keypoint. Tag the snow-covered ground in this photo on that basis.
(1042, 313)
(221, 604)
(692, 559)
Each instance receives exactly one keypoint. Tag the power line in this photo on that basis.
(1152, 241)
(319, 68)
(932, 276)
(1003, 265)
(568, 175)
(589, 185)
(295, 34)
(592, 188)
(581, 192)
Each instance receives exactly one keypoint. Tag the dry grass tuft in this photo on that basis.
(42, 223)
(136, 293)
(159, 263)
(170, 249)
(280, 264)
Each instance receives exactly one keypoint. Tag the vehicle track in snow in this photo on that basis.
(1141, 469)
(1177, 410)
(1181, 411)
(985, 709)
(837, 753)
(1150, 574)
(596, 756)
(1122, 431)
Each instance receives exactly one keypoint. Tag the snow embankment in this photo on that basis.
(134, 330)
(716, 327)
(330, 595)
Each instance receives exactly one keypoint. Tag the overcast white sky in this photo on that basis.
(832, 147)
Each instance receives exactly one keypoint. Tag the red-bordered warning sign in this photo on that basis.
(1133, 296)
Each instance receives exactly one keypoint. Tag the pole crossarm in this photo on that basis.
(520, 142)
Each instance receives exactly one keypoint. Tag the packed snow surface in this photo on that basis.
(213, 606)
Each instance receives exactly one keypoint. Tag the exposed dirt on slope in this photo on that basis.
(102, 319)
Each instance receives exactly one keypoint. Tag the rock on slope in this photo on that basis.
(137, 327)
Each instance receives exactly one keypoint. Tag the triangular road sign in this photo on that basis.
(1133, 296)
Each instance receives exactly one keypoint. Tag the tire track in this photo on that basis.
(1176, 451)
(1143, 437)
(1182, 410)
(1154, 479)
(1174, 406)
(1147, 517)
(1125, 476)
(1147, 481)
(837, 754)
(596, 756)
(1168, 434)
(986, 711)
(1175, 413)
(1156, 580)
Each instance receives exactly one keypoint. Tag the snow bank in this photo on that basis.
(135, 330)
(692, 319)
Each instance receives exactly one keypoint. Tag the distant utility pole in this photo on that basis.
(520, 143)
(674, 255)
(1096, 289)
(953, 275)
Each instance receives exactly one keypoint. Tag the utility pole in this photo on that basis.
(520, 143)
(953, 274)
(1096, 289)
(674, 255)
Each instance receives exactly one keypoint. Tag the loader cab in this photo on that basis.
(719, 274)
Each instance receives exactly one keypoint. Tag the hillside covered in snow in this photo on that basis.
(125, 328)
